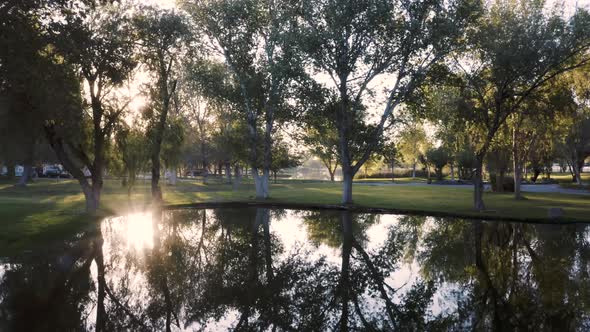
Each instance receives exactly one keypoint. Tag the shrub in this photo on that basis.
(465, 164)
(438, 158)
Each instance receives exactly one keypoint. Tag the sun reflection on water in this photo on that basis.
(136, 229)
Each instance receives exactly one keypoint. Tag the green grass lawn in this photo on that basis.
(567, 177)
(48, 210)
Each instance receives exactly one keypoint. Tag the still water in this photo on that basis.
(256, 269)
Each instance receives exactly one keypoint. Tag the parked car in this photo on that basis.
(65, 174)
(195, 172)
(51, 171)
(18, 170)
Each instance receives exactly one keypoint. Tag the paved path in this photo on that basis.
(534, 188)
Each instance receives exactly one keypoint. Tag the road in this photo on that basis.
(534, 188)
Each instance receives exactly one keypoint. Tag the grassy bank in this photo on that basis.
(48, 209)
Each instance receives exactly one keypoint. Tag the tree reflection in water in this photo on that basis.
(282, 270)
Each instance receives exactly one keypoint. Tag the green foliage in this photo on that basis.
(36, 87)
(353, 42)
(514, 51)
(317, 131)
(131, 146)
(174, 136)
(438, 158)
(283, 158)
(161, 34)
(465, 162)
(254, 38)
(99, 40)
(391, 154)
(412, 143)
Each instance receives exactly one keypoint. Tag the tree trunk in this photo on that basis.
(156, 190)
(24, 178)
(478, 203)
(266, 182)
(165, 96)
(332, 172)
(536, 173)
(344, 285)
(101, 294)
(517, 166)
(517, 180)
(414, 170)
(228, 172)
(574, 179)
(91, 200)
(392, 171)
(205, 175)
(27, 163)
(499, 182)
(347, 176)
(237, 177)
(263, 216)
(439, 174)
(452, 165)
(172, 178)
(261, 183)
(91, 192)
(578, 166)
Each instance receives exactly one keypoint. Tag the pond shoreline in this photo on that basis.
(366, 209)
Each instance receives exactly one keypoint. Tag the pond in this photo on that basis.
(258, 269)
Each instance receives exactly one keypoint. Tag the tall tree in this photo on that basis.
(439, 158)
(254, 39)
(174, 136)
(439, 105)
(539, 124)
(391, 156)
(97, 41)
(161, 34)
(20, 42)
(56, 46)
(283, 158)
(575, 146)
(352, 43)
(210, 100)
(412, 144)
(516, 48)
(130, 142)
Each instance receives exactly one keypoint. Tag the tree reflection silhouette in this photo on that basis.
(514, 277)
(230, 269)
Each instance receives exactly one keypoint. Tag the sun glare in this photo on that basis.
(138, 231)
